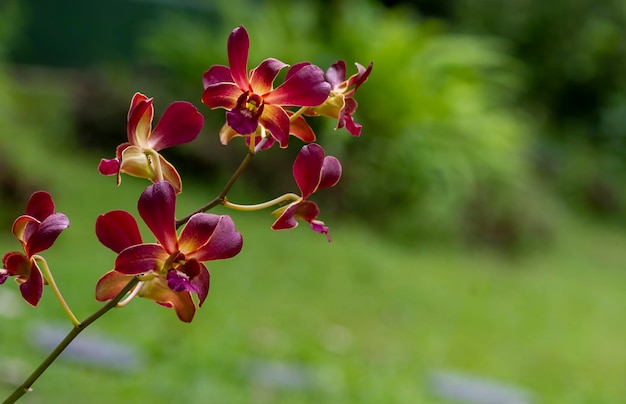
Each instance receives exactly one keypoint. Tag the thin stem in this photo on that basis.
(222, 195)
(26, 386)
(297, 113)
(55, 289)
(264, 205)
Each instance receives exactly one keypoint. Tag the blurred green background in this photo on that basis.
(478, 227)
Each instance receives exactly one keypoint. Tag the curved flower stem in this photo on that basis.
(78, 328)
(264, 205)
(55, 289)
(297, 114)
(218, 200)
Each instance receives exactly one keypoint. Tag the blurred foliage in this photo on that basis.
(575, 88)
(440, 128)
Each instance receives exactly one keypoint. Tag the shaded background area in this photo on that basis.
(487, 185)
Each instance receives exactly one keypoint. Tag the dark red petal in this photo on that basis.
(117, 230)
(225, 242)
(221, 95)
(109, 166)
(201, 283)
(331, 172)
(238, 47)
(46, 233)
(137, 99)
(307, 210)
(242, 121)
(336, 73)
(24, 227)
(179, 283)
(110, 285)
(140, 259)
(319, 227)
(276, 120)
(262, 77)
(360, 77)
(286, 220)
(16, 264)
(40, 205)
(352, 127)
(197, 232)
(181, 123)
(157, 207)
(307, 87)
(216, 74)
(307, 168)
(140, 122)
(32, 289)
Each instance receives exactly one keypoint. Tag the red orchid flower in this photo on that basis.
(171, 269)
(312, 171)
(341, 104)
(251, 99)
(139, 157)
(36, 230)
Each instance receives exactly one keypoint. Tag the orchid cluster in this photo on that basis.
(171, 270)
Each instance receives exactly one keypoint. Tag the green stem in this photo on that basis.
(264, 205)
(26, 386)
(56, 290)
(219, 200)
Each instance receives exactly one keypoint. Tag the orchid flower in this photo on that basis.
(139, 157)
(171, 269)
(340, 103)
(254, 106)
(36, 230)
(312, 171)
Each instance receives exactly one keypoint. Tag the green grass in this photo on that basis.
(366, 318)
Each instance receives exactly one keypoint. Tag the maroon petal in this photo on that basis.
(286, 220)
(221, 95)
(47, 233)
(307, 210)
(32, 289)
(262, 77)
(225, 242)
(16, 264)
(140, 122)
(181, 123)
(352, 127)
(3, 276)
(305, 87)
(117, 230)
(197, 232)
(40, 205)
(179, 282)
(140, 259)
(319, 227)
(109, 166)
(137, 99)
(307, 168)
(157, 207)
(331, 172)
(242, 121)
(336, 73)
(217, 74)
(360, 77)
(238, 47)
(276, 120)
(201, 283)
